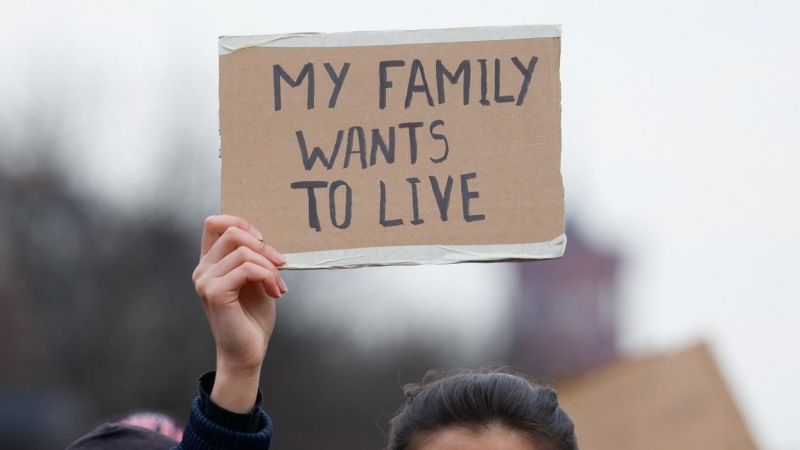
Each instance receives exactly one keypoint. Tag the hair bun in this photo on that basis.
(474, 399)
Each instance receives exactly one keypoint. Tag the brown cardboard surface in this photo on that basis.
(503, 158)
(666, 402)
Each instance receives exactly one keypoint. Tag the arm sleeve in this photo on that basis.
(213, 427)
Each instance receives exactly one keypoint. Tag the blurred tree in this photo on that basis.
(100, 318)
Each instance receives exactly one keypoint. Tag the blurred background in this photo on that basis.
(671, 322)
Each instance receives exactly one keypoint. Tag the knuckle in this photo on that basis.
(201, 287)
(229, 234)
(211, 293)
(196, 275)
(242, 254)
(249, 267)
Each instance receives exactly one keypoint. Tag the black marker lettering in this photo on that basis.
(412, 137)
(484, 83)
(313, 217)
(415, 201)
(278, 73)
(442, 72)
(383, 221)
(440, 137)
(466, 195)
(378, 142)
(338, 81)
(528, 73)
(362, 146)
(384, 83)
(498, 98)
(348, 204)
(442, 200)
(416, 68)
(317, 153)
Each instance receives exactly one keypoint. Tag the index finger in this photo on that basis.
(216, 225)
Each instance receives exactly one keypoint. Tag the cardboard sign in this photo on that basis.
(405, 147)
(665, 402)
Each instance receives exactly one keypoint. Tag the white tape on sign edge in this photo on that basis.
(412, 255)
(231, 44)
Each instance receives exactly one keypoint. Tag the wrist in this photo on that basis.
(236, 388)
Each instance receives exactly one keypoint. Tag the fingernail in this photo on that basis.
(284, 288)
(278, 256)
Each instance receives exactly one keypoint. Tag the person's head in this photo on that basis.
(489, 410)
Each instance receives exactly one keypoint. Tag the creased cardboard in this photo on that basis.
(379, 148)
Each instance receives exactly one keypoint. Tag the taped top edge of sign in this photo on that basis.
(231, 44)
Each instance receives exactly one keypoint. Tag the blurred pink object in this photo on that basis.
(157, 422)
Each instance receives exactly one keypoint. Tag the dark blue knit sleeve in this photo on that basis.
(212, 428)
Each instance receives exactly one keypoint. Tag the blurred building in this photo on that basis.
(565, 313)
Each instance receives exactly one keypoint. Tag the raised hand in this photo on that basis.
(238, 282)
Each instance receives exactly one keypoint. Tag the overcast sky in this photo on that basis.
(680, 131)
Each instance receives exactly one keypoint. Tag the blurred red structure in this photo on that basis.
(565, 313)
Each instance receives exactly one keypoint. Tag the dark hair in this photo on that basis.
(476, 401)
